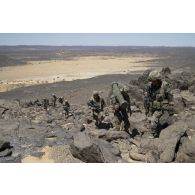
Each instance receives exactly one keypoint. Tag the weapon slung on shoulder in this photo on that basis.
(117, 94)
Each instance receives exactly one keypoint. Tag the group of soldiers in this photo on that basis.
(46, 103)
(158, 104)
(120, 102)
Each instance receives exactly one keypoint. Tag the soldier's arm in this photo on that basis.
(90, 103)
(103, 103)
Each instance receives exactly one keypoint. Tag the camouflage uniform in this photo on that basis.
(124, 92)
(97, 104)
(158, 102)
(54, 99)
(66, 107)
(45, 104)
(121, 117)
(61, 100)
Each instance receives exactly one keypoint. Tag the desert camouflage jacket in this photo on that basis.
(97, 106)
(158, 99)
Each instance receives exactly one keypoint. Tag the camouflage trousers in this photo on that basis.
(159, 120)
(121, 123)
(98, 117)
(66, 112)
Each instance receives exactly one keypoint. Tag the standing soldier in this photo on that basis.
(158, 103)
(45, 104)
(66, 107)
(120, 102)
(124, 91)
(54, 99)
(61, 100)
(97, 104)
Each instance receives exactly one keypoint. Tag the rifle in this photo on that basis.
(94, 105)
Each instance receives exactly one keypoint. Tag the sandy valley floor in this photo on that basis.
(38, 72)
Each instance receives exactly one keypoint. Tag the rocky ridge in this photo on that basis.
(26, 130)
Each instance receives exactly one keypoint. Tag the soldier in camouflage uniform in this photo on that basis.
(66, 108)
(124, 91)
(61, 100)
(97, 104)
(45, 104)
(158, 103)
(54, 100)
(121, 117)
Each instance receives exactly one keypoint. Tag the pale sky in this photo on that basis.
(102, 39)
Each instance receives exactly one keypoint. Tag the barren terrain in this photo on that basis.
(22, 66)
(28, 133)
(37, 72)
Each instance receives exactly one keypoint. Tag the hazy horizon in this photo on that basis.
(97, 46)
(99, 39)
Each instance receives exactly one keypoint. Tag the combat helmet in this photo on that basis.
(95, 93)
(154, 75)
(125, 89)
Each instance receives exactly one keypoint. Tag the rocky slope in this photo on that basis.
(30, 134)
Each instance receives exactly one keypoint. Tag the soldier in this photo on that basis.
(45, 104)
(66, 107)
(158, 103)
(97, 104)
(121, 106)
(124, 91)
(61, 100)
(37, 102)
(54, 99)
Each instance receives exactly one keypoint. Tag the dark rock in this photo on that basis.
(188, 99)
(144, 77)
(166, 145)
(165, 71)
(84, 149)
(189, 119)
(135, 155)
(4, 145)
(93, 151)
(32, 134)
(113, 135)
(11, 159)
(96, 133)
(180, 80)
(5, 152)
(168, 140)
(186, 151)
(136, 92)
(82, 128)
(178, 101)
(109, 153)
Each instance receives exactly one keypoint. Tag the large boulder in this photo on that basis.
(114, 135)
(181, 80)
(136, 93)
(93, 150)
(186, 151)
(165, 71)
(169, 140)
(5, 149)
(179, 104)
(188, 99)
(142, 80)
(166, 145)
